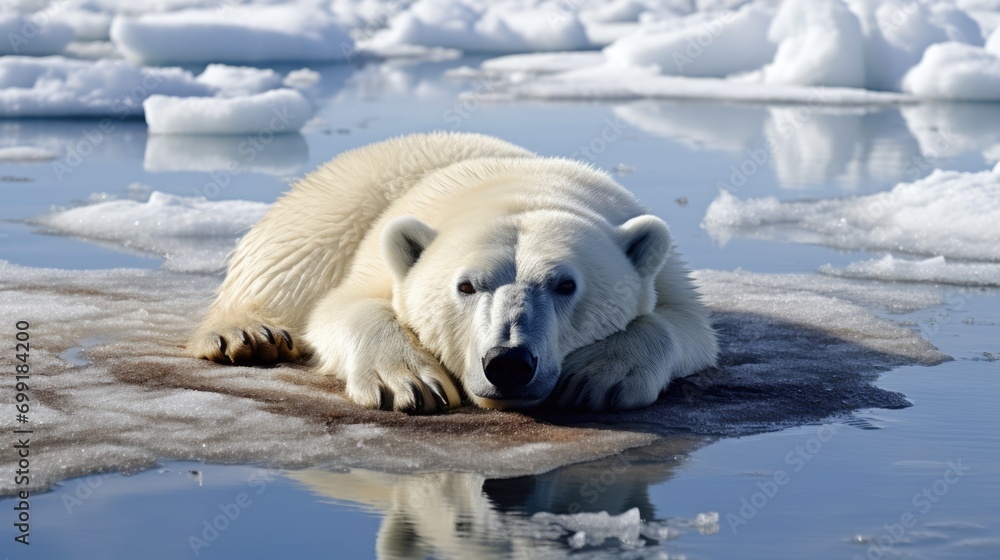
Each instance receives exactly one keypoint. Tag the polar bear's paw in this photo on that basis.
(613, 374)
(409, 381)
(255, 344)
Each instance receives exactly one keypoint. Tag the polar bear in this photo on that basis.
(428, 267)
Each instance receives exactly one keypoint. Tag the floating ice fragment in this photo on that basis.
(948, 213)
(935, 270)
(233, 33)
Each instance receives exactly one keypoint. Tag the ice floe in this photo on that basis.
(269, 113)
(61, 87)
(220, 100)
(32, 35)
(948, 213)
(191, 234)
(853, 51)
(504, 27)
(936, 270)
(957, 72)
(232, 33)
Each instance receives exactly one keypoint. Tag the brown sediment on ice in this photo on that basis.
(795, 349)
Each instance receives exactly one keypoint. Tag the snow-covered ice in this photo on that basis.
(232, 33)
(272, 112)
(229, 81)
(948, 213)
(501, 27)
(855, 51)
(957, 72)
(191, 234)
(706, 44)
(61, 87)
(935, 270)
(28, 35)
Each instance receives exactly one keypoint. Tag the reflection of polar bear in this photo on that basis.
(429, 262)
(467, 515)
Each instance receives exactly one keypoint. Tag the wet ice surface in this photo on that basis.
(795, 349)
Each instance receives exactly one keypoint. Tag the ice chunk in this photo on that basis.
(32, 35)
(61, 87)
(594, 528)
(23, 154)
(819, 44)
(269, 113)
(858, 50)
(936, 270)
(504, 27)
(192, 234)
(606, 82)
(303, 78)
(231, 81)
(948, 213)
(232, 33)
(706, 44)
(897, 32)
(955, 71)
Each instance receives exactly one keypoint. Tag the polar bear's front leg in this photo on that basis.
(382, 362)
(627, 370)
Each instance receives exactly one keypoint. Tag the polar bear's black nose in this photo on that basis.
(509, 368)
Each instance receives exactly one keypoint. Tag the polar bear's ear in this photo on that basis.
(403, 240)
(646, 241)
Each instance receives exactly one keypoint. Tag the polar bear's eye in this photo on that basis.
(566, 288)
(466, 287)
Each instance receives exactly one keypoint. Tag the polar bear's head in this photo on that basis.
(502, 302)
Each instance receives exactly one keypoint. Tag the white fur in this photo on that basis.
(359, 264)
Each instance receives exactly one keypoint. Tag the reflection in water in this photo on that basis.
(464, 515)
(948, 129)
(809, 146)
(76, 140)
(696, 124)
(279, 155)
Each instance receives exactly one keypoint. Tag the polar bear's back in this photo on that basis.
(309, 237)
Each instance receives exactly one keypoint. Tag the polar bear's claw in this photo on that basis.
(253, 345)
